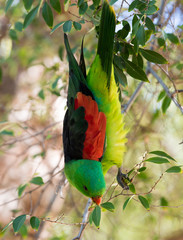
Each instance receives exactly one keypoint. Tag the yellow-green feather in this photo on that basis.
(108, 102)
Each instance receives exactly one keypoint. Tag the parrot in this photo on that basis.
(94, 134)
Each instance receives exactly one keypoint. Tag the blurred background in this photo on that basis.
(33, 91)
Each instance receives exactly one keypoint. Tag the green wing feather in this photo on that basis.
(102, 83)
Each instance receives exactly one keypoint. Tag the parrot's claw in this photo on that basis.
(123, 180)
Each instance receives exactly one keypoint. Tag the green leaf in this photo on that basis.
(157, 160)
(7, 226)
(47, 15)
(144, 202)
(1, 75)
(140, 35)
(161, 95)
(108, 205)
(163, 202)
(30, 16)
(96, 216)
(133, 5)
(135, 71)
(77, 26)
(162, 154)
(54, 84)
(90, 218)
(56, 5)
(35, 222)
(148, 34)
(57, 26)
(174, 39)
(112, 2)
(27, 4)
(37, 181)
(125, 30)
(61, 52)
(161, 42)
(67, 26)
(166, 103)
(18, 222)
(141, 169)
(23, 231)
(153, 56)
(149, 24)
(120, 77)
(8, 5)
(96, 3)
(41, 94)
(13, 34)
(151, 10)
(132, 188)
(21, 188)
(82, 8)
(7, 132)
(126, 202)
(80, 2)
(19, 26)
(174, 169)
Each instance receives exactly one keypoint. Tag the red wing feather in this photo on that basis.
(95, 134)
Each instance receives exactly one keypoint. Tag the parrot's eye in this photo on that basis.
(85, 188)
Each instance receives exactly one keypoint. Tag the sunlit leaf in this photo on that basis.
(35, 222)
(157, 160)
(162, 154)
(37, 181)
(153, 56)
(23, 231)
(47, 14)
(144, 202)
(30, 16)
(108, 205)
(18, 222)
(174, 169)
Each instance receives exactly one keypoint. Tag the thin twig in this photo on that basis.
(166, 89)
(84, 221)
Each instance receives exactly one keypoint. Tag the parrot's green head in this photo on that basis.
(87, 176)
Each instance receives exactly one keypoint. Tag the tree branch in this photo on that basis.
(166, 89)
(84, 221)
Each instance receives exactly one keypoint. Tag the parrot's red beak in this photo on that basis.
(97, 200)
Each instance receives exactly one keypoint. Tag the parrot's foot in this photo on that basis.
(123, 180)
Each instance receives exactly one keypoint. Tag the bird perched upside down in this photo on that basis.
(93, 134)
